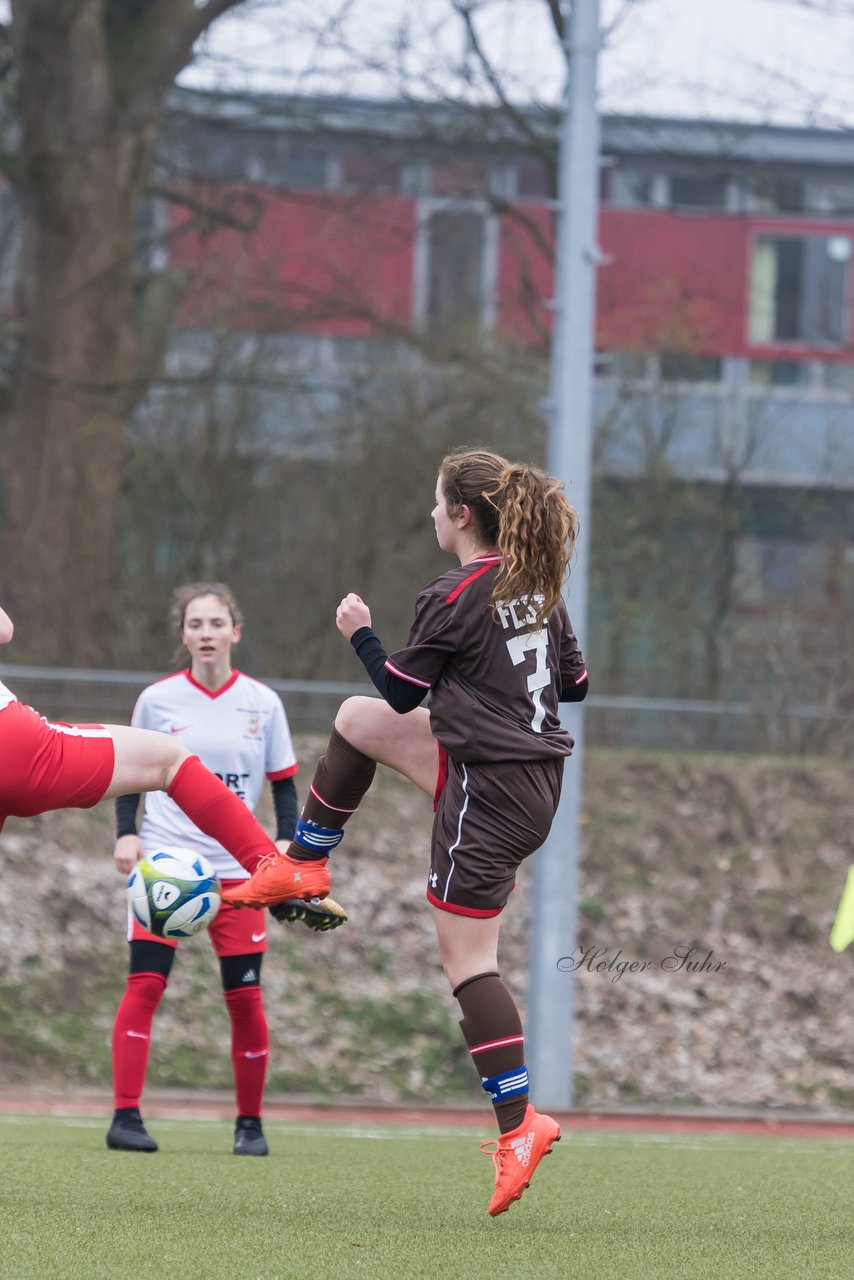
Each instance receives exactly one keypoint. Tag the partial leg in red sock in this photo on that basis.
(220, 813)
(132, 1036)
(250, 1047)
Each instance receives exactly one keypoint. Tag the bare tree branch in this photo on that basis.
(151, 42)
(237, 210)
(464, 9)
(619, 19)
(555, 8)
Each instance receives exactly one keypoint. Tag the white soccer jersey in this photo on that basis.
(6, 696)
(240, 732)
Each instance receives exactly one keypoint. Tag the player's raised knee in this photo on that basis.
(354, 716)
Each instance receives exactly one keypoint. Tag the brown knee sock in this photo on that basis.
(341, 779)
(493, 1032)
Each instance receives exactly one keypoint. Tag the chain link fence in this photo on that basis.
(664, 724)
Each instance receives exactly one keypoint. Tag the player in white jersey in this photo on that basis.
(241, 733)
(47, 765)
(238, 728)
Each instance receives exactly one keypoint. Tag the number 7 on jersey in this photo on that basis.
(535, 642)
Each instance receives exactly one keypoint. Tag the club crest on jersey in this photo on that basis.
(253, 726)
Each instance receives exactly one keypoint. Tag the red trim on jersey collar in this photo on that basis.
(223, 688)
(473, 577)
(485, 562)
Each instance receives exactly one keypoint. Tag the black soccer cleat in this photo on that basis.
(249, 1137)
(128, 1133)
(318, 914)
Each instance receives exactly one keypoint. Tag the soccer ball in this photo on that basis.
(173, 893)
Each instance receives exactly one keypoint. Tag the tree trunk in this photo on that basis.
(64, 430)
(91, 77)
(81, 172)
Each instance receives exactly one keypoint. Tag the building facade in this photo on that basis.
(341, 231)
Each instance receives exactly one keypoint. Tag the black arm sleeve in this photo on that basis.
(401, 695)
(575, 692)
(285, 804)
(126, 807)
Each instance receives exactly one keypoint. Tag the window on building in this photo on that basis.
(775, 193)
(533, 181)
(455, 282)
(833, 196)
(300, 165)
(799, 290)
(779, 373)
(213, 153)
(374, 174)
(630, 187)
(459, 178)
(697, 191)
(684, 366)
(626, 366)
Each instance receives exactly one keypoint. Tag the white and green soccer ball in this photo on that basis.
(174, 893)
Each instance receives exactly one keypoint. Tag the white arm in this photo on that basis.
(6, 627)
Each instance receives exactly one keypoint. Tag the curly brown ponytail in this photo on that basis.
(524, 513)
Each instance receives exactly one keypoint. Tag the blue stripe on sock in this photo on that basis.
(507, 1084)
(315, 838)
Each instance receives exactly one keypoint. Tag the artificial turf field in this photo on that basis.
(366, 1201)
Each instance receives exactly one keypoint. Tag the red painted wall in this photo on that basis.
(313, 262)
(329, 263)
(682, 281)
(525, 284)
(672, 282)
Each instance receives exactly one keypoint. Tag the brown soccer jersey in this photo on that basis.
(494, 682)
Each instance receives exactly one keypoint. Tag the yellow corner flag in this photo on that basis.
(842, 932)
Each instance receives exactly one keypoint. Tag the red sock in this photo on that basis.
(132, 1036)
(219, 813)
(250, 1047)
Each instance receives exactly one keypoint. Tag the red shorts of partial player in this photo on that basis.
(234, 931)
(47, 766)
(489, 818)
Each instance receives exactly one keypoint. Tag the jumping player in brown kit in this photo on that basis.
(493, 646)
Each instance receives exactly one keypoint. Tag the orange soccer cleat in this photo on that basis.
(516, 1155)
(278, 877)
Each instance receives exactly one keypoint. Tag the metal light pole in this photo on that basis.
(551, 995)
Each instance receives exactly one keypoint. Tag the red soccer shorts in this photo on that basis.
(47, 766)
(234, 931)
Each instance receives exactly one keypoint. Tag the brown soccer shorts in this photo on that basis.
(489, 818)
